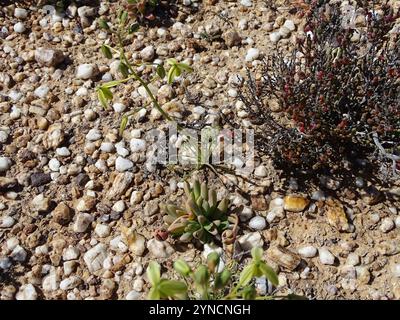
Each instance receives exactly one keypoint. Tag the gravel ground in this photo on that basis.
(72, 189)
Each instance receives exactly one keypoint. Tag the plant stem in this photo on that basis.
(138, 78)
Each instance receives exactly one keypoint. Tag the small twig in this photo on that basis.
(384, 153)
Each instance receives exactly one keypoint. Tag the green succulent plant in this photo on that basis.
(206, 282)
(203, 217)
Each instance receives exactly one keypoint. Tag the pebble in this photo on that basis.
(147, 54)
(20, 13)
(54, 136)
(42, 250)
(19, 27)
(119, 107)
(275, 37)
(107, 288)
(119, 206)
(290, 25)
(393, 210)
(54, 165)
(7, 222)
(40, 203)
(50, 282)
(199, 110)
(42, 91)
(318, 195)
(276, 203)
(87, 71)
(275, 214)
(284, 32)
(93, 135)
(136, 197)
(49, 57)
(90, 114)
(5, 263)
(261, 171)
(101, 165)
(39, 179)
(133, 295)
(138, 284)
(232, 38)
(122, 247)
(122, 164)
(252, 54)
(121, 150)
(387, 225)
(82, 222)
(137, 145)
(396, 270)
(63, 152)
(353, 259)
(307, 251)
(259, 203)
(81, 92)
(11, 243)
(243, 24)
(15, 113)
(166, 92)
(71, 253)
(70, 283)
(3, 136)
(86, 11)
(95, 257)
(257, 223)
(161, 32)
(102, 230)
(397, 222)
(235, 79)
(295, 203)
(15, 95)
(246, 214)
(120, 184)
(137, 244)
(5, 164)
(232, 93)
(107, 147)
(360, 182)
(326, 257)
(261, 285)
(19, 254)
(151, 208)
(363, 275)
(69, 267)
(85, 204)
(246, 3)
(159, 249)
(250, 240)
(336, 215)
(62, 214)
(283, 257)
(26, 292)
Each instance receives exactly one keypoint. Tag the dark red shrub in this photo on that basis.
(339, 96)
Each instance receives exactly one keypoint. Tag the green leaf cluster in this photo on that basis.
(121, 31)
(207, 282)
(203, 217)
